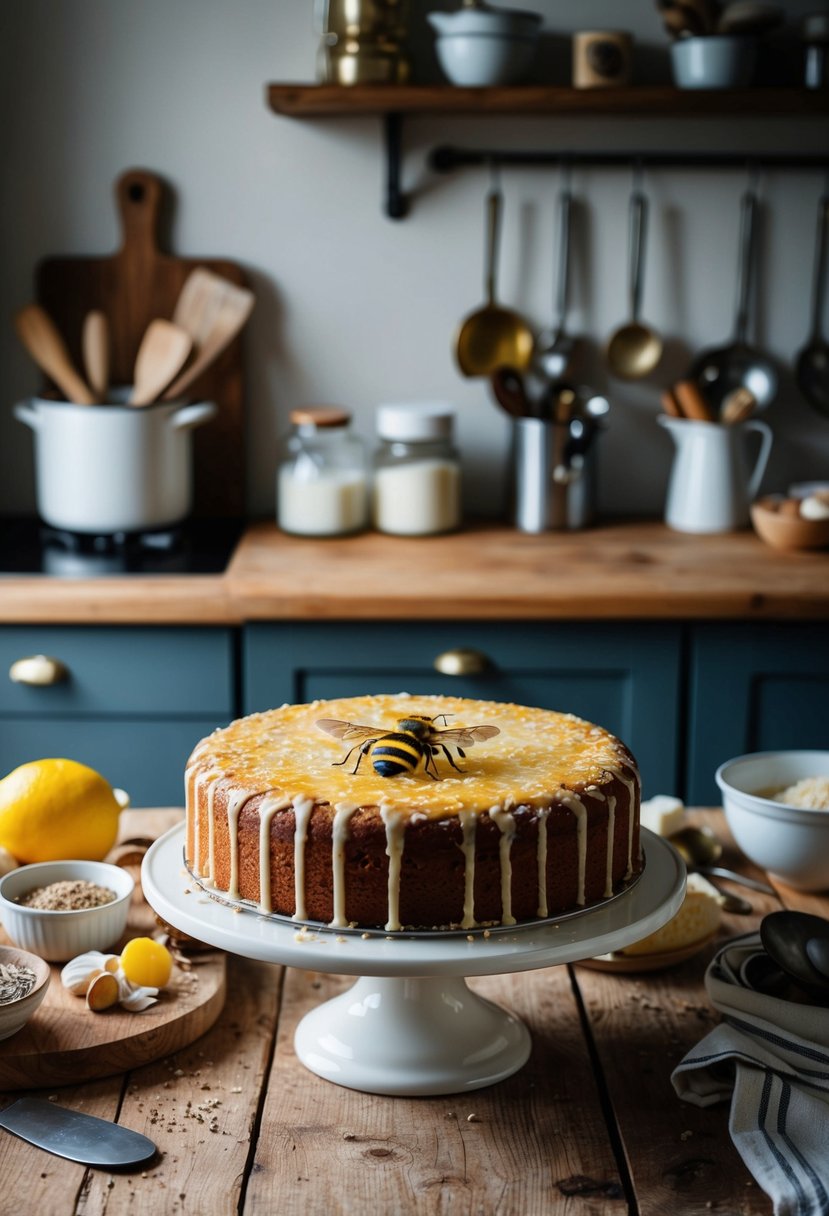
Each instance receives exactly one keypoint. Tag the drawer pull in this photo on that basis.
(38, 670)
(462, 662)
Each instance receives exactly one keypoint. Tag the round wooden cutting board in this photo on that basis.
(64, 1042)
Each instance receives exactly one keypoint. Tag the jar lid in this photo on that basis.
(419, 420)
(320, 416)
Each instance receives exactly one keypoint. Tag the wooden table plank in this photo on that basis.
(537, 1143)
(199, 1106)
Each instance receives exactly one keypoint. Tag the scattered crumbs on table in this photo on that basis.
(473, 1118)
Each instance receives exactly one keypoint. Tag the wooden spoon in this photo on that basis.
(211, 311)
(162, 354)
(38, 333)
(95, 346)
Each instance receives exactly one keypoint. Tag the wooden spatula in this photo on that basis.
(38, 333)
(163, 352)
(95, 347)
(212, 311)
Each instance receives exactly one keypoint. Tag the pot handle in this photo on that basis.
(24, 412)
(764, 431)
(192, 415)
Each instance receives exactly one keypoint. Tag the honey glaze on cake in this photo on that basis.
(543, 818)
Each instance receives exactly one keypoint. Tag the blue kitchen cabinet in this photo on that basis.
(752, 688)
(625, 677)
(130, 701)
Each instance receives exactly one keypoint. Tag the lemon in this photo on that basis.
(146, 962)
(54, 810)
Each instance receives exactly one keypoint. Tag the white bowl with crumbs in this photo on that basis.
(777, 806)
(59, 909)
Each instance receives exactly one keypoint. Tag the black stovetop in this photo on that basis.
(204, 546)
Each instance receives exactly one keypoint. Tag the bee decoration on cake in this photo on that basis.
(413, 742)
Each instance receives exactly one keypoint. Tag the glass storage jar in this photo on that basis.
(322, 481)
(417, 481)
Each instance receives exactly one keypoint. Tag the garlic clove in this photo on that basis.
(78, 972)
(102, 992)
(136, 998)
(7, 862)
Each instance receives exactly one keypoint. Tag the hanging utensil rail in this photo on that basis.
(446, 159)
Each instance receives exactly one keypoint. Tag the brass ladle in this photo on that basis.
(492, 336)
(635, 349)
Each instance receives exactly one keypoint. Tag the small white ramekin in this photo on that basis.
(15, 1014)
(59, 936)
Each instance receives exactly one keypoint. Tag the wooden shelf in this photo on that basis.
(394, 103)
(319, 100)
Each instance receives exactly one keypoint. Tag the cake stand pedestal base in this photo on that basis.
(412, 1037)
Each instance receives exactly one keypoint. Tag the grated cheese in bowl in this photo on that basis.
(811, 793)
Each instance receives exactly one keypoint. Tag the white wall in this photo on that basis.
(354, 308)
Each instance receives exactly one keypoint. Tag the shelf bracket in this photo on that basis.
(397, 205)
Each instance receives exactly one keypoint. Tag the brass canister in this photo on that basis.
(363, 41)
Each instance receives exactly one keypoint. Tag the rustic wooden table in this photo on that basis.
(591, 1125)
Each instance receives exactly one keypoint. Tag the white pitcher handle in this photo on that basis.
(23, 412)
(764, 431)
(192, 415)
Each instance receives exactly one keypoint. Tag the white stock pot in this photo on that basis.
(103, 469)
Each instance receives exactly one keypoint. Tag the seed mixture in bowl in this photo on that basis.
(70, 895)
(15, 982)
(810, 792)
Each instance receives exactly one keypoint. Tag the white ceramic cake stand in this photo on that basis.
(411, 1026)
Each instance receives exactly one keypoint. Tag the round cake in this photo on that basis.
(401, 811)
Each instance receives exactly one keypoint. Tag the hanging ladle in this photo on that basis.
(555, 353)
(812, 369)
(799, 944)
(722, 369)
(634, 349)
(492, 336)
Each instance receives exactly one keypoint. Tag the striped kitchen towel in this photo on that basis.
(772, 1057)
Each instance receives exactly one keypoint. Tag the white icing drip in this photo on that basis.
(611, 823)
(505, 823)
(469, 826)
(191, 803)
(575, 804)
(267, 809)
(211, 831)
(395, 822)
(542, 861)
(302, 815)
(236, 799)
(339, 836)
(630, 785)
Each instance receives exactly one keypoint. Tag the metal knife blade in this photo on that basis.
(78, 1137)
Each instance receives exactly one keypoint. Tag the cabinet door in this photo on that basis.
(132, 703)
(624, 678)
(754, 688)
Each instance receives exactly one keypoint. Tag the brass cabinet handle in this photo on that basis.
(462, 662)
(38, 670)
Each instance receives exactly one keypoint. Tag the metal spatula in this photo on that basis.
(78, 1137)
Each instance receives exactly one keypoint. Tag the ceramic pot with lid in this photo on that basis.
(480, 45)
(106, 469)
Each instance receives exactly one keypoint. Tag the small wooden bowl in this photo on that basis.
(789, 532)
(15, 1014)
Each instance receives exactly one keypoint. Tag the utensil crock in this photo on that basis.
(710, 488)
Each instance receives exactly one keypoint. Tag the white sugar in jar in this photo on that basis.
(322, 481)
(417, 480)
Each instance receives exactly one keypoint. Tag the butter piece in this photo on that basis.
(698, 917)
(662, 814)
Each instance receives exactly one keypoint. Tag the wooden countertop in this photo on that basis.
(619, 571)
(590, 1126)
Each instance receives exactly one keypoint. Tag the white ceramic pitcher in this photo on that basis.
(710, 488)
